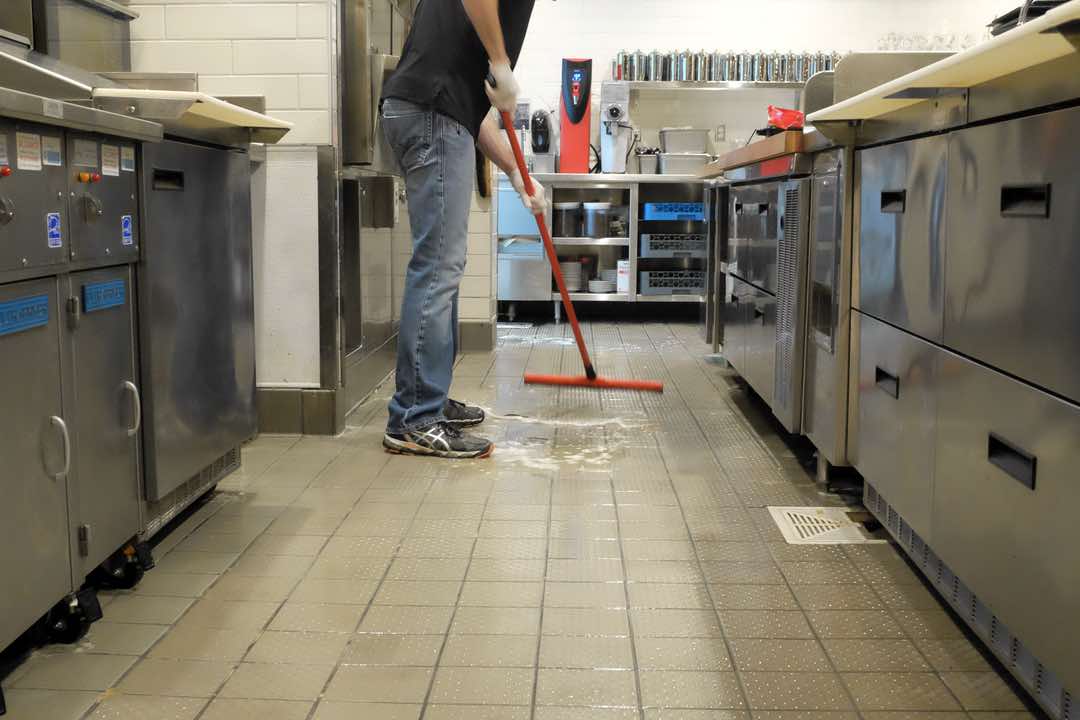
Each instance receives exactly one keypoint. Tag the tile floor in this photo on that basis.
(612, 561)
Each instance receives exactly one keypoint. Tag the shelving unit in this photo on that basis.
(593, 242)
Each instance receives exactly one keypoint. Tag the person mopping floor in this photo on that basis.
(435, 113)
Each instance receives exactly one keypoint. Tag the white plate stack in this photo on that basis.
(601, 286)
(571, 272)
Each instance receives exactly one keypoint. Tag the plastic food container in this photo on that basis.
(684, 140)
(566, 219)
(597, 219)
(683, 163)
(647, 164)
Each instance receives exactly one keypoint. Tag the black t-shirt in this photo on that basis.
(443, 63)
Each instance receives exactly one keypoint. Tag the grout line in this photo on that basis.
(543, 595)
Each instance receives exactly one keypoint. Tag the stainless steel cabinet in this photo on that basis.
(102, 206)
(737, 311)
(901, 246)
(755, 227)
(34, 228)
(105, 512)
(1012, 296)
(197, 339)
(761, 343)
(1005, 495)
(35, 445)
(896, 417)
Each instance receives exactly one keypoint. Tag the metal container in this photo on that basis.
(566, 219)
(640, 60)
(746, 67)
(671, 66)
(655, 66)
(618, 71)
(682, 163)
(684, 140)
(683, 69)
(597, 219)
(701, 61)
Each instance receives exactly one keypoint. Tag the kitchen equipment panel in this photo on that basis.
(34, 228)
(898, 380)
(1004, 505)
(790, 335)
(35, 443)
(755, 224)
(107, 416)
(1012, 299)
(901, 234)
(102, 208)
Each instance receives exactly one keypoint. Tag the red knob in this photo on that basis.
(5, 171)
(96, 177)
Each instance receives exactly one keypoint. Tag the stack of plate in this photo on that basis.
(571, 272)
(601, 286)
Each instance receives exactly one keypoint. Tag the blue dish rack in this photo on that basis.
(680, 211)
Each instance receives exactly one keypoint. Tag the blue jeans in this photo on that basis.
(438, 156)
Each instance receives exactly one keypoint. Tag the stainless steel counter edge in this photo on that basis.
(612, 178)
(34, 108)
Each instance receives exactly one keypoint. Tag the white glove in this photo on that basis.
(504, 94)
(537, 203)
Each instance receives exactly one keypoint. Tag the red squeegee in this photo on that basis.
(590, 379)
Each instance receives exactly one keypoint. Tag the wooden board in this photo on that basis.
(785, 143)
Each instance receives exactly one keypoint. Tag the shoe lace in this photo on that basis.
(451, 431)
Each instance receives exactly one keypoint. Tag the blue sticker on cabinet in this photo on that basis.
(103, 295)
(24, 314)
(127, 232)
(53, 230)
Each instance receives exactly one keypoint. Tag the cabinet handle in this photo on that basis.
(59, 423)
(1025, 201)
(136, 399)
(168, 179)
(887, 382)
(1016, 463)
(893, 201)
(759, 313)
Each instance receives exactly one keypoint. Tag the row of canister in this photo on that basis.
(720, 66)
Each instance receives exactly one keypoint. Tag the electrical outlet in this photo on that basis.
(720, 135)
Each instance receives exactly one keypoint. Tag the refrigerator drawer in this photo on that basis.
(896, 411)
(761, 344)
(736, 324)
(900, 234)
(1005, 503)
(1011, 296)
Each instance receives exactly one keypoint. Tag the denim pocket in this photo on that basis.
(408, 130)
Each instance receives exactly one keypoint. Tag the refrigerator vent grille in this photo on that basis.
(1043, 684)
(819, 526)
(787, 320)
(162, 511)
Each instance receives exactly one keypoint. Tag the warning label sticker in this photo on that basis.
(110, 160)
(127, 234)
(127, 159)
(28, 151)
(52, 152)
(85, 154)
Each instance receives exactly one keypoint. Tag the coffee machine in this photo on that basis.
(616, 131)
(575, 116)
(545, 142)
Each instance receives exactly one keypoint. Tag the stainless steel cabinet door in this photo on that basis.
(754, 226)
(1005, 502)
(106, 419)
(896, 417)
(1012, 296)
(901, 224)
(102, 206)
(736, 325)
(761, 345)
(34, 228)
(33, 484)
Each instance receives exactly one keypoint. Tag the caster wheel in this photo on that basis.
(122, 576)
(65, 627)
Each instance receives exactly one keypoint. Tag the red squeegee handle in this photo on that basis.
(519, 157)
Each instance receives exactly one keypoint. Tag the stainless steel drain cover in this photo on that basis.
(821, 526)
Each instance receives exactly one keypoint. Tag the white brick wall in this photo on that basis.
(273, 48)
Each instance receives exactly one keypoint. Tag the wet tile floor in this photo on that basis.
(612, 561)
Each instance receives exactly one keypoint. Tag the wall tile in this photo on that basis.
(476, 287)
(258, 57)
(151, 22)
(175, 56)
(315, 92)
(312, 20)
(474, 309)
(280, 91)
(198, 22)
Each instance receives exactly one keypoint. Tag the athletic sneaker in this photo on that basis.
(461, 415)
(439, 440)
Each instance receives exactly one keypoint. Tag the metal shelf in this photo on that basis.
(728, 85)
(671, 298)
(594, 297)
(612, 241)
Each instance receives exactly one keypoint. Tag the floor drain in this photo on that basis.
(822, 526)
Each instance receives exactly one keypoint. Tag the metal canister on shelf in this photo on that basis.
(671, 65)
(619, 66)
(772, 67)
(682, 70)
(762, 73)
(731, 67)
(746, 67)
(698, 71)
(655, 67)
(640, 58)
(836, 58)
